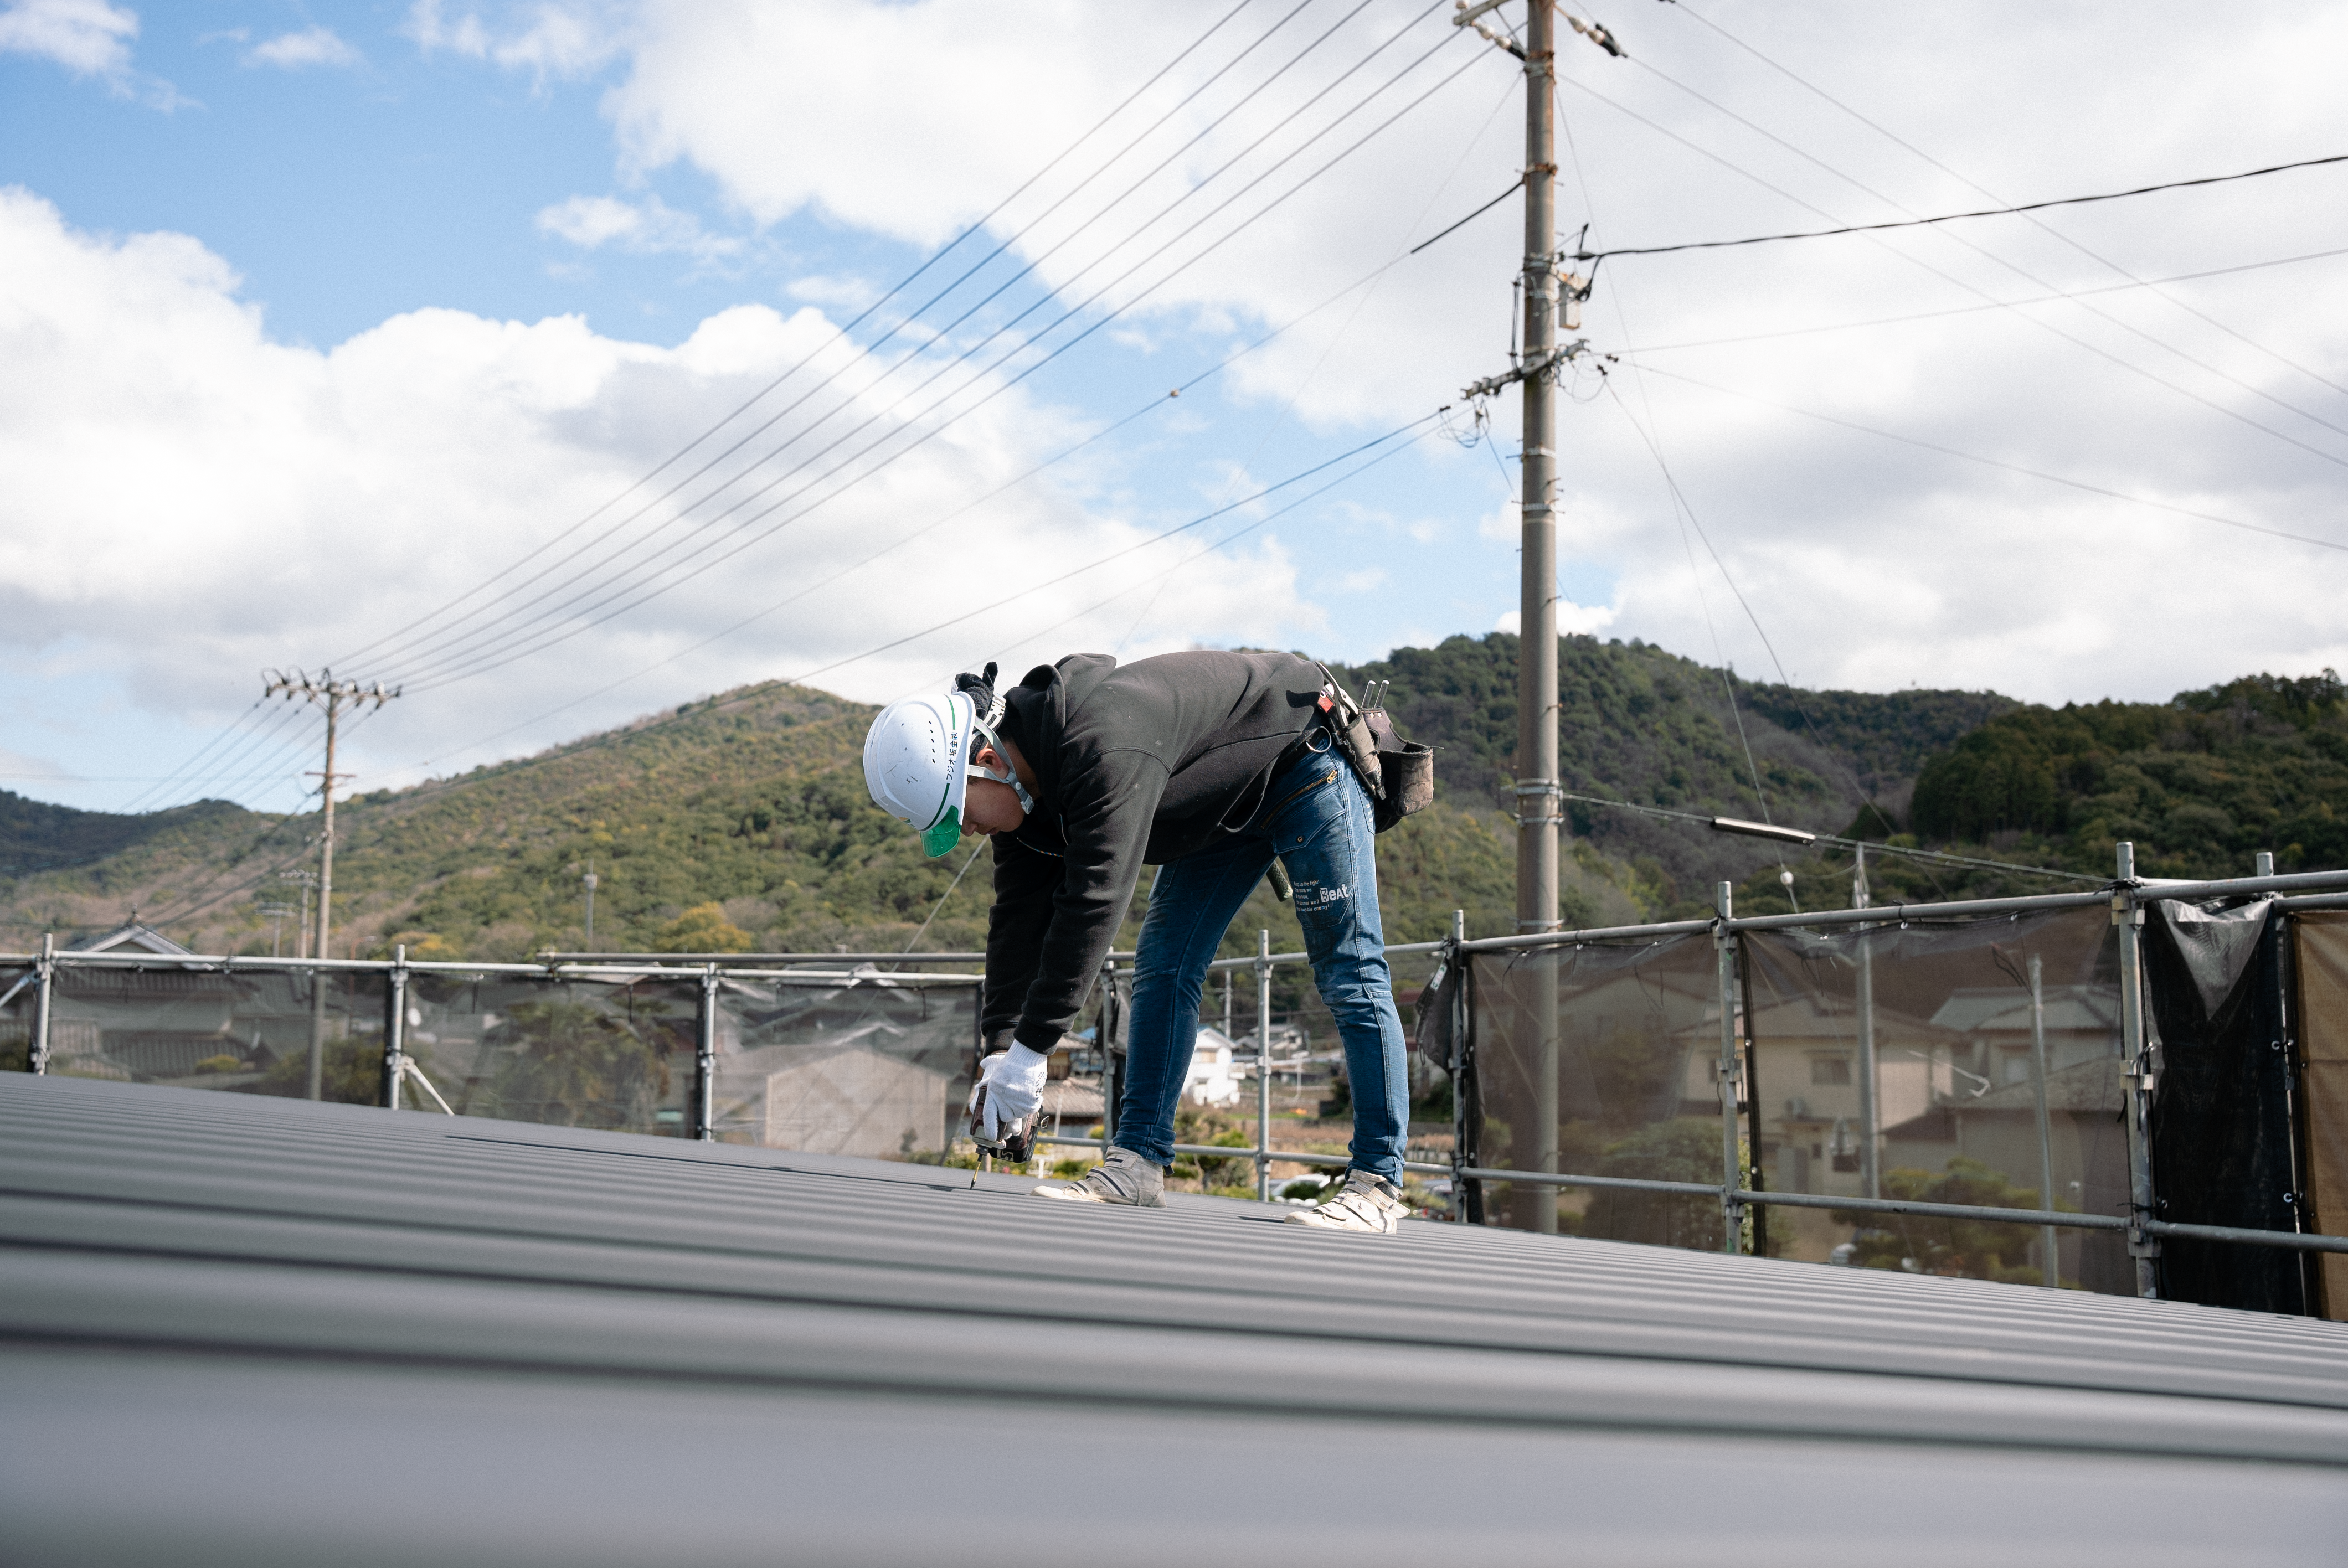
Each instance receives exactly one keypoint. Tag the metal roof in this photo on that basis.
(2076, 1008)
(255, 1331)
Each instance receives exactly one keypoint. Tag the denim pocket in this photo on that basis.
(1281, 819)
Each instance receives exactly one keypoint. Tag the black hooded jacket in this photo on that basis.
(1134, 765)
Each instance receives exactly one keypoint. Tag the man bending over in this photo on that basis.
(1207, 766)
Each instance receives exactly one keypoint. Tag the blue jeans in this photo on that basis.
(1317, 820)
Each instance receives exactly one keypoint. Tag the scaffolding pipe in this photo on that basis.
(1725, 1074)
(36, 1059)
(1871, 1178)
(705, 1061)
(1264, 1066)
(2128, 915)
(394, 1028)
(1466, 1209)
(2052, 1262)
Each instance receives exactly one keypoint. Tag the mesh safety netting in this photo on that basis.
(1630, 1083)
(1943, 1062)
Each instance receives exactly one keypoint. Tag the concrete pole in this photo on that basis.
(1537, 783)
(2049, 1234)
(1537, 786)
(326, 900)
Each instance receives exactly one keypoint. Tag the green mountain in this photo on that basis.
(2201, 783)
(1639, 724)
(741, 820)
(36, 836)
(752, 802)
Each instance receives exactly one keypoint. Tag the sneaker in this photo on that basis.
(1124, 1177)
(1369, 1202)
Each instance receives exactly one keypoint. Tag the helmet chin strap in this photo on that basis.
(1009, 775)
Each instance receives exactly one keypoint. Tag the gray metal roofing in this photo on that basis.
(2067, 1007)
(252, 1332)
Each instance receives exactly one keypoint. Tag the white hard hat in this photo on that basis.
(914, 757)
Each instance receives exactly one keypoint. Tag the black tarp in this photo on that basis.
(2220, 1120)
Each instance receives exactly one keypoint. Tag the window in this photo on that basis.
(1830, 1069)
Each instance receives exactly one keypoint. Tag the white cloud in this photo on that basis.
(89, 37)
(647, 227)
(1872, 563)
(185, 502)
(849, 292)
(547, 40)
(316, 46)
(17, 765)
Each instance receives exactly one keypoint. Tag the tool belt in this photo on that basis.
(1398, 773)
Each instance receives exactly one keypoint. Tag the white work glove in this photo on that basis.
(1009, 1087)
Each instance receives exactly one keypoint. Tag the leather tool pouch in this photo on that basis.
(1398, 773)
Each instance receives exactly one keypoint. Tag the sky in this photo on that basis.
(560, 363)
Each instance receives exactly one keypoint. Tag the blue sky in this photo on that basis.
(505, 259)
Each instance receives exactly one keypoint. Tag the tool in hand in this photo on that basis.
(1016, 1141)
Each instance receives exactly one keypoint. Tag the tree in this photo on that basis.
(576, 1066)
(1969, 1249)
(704, 928)
(1684, 1150)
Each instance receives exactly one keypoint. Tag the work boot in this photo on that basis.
(1369, 1202)
(1124, 1177)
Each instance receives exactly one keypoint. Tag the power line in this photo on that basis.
(900, 287)
(2056, 298)
(1953, 217)
(1151, 406)
(221, 737)
(1144, 544)
(2049, 327)
(1784, 678)
(2040, 224)
(673, 719)
(2000, 463)
(2163, 344)
(507, 655)
(1235, 535)
(239, 737)
(1467, 149)
(504, 637)
(866, 351)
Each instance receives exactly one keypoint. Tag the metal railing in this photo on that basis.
(2126, 896)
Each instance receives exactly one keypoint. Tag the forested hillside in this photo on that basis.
(2201, 783)
(1636, 724)
(752, 802)
(36, 836)
(741, 820)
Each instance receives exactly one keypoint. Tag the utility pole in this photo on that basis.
(588, 882)
(275, 914)
(1537, 785)
(307, 879)
(332, 695)
(1538, 790)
